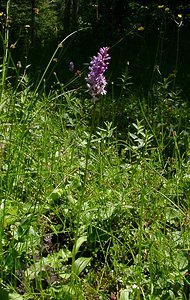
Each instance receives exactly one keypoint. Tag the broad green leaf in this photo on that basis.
(14, 296)
(80, 264)
(79, 242)
(108, 211)
(124, 295)
(65, 276)
(56, 194)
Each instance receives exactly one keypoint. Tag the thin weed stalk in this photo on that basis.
(140, 241)
(83, 189)
(177, 52)
(60, 45)
(6, 50)
(6, 185)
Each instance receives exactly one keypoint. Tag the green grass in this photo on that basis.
(94, 199)
(94, 203)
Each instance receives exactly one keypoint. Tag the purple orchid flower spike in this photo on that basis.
(96, 81)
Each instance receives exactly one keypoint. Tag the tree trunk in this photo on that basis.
(71, 13)
(67, 17)
(75, 11)
(33, 22)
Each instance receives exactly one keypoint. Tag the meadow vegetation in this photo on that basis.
(94, 195)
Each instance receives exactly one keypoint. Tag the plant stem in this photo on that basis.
(80, 203)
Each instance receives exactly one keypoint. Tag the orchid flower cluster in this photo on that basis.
(96, 81)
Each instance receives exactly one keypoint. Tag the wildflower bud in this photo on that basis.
(71, 66)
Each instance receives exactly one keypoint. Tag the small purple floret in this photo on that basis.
(71, 66)
(96, 81)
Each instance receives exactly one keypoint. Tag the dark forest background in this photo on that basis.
(151, 37)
